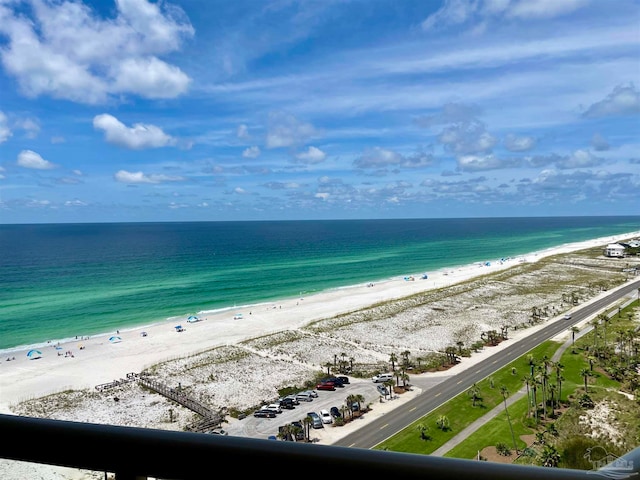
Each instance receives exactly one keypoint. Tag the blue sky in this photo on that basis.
(206, 110)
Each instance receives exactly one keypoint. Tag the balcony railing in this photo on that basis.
(138, 453)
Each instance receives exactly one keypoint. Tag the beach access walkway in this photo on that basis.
(210, 418)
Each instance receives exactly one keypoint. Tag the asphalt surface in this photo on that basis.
(394, 421)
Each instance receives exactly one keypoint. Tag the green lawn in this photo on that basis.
(460, 410)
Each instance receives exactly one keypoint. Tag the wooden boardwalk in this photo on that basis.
(210, 419)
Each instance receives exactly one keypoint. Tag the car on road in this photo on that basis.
(316, 421)
(335, 412)
(326, 386)
(567, 316)
(326, 416)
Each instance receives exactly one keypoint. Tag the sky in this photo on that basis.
(218, 110)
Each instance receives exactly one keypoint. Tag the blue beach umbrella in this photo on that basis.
(33, 354)
(115, 339)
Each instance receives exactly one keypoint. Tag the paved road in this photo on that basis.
(397, 419)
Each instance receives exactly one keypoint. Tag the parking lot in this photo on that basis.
(264, 427)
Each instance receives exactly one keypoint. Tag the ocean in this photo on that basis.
(59, 281)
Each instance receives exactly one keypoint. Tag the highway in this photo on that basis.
(397, 419)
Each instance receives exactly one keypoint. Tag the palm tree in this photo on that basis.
(405, 358)
(393, 358)
(505, 394)
(527, 381)
(443, 423)
(388, 385)
(574, 330)
(328, 365)
(423, 429)
(306, 423)
(550, 456)
(585, 373)
(474, 393)
(604, 319)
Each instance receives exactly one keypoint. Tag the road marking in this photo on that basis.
(478, 371)
(352, 445)
(384, 426)
(437, 394)
(412, 409)
(495, 361)
(459, 382)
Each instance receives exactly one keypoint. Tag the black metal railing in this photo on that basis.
(138, 453)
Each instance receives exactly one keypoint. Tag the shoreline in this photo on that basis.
(440, 274)
(101, 361)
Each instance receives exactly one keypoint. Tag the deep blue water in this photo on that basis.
(62, 280)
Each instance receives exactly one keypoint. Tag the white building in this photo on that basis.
(614, 250)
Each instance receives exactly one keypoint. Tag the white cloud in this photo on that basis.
(30, 159)
(458, 12)
(599, 143)
(123, 176)
(149, 77)
(623, 100)
(527, 9)
(515, 143)
(138, 137)
(285, 130)
(64, 49)
(251, 152)
(5, 131)
(580, 159)
(311, 156)
(242, 132)
(475, 163)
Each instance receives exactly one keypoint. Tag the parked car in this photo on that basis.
(272, 407)
(326, 416)
(304, 397)
(218, 431)
(344, 380)
(287, 404)
(382, 390)
(293, 398)
(326, 386)
(335, 412)
(264, 414)
(335, 380)
(313, 393)
(316, 420)
(382, 377)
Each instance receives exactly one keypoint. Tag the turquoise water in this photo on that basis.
(59, 281)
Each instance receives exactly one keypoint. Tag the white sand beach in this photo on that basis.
(70, 367)
(101, 361)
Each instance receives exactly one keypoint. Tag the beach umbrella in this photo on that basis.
(115, 339)
(33, 354)
(193, 318)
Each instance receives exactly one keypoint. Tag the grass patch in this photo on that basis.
(460, 410)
